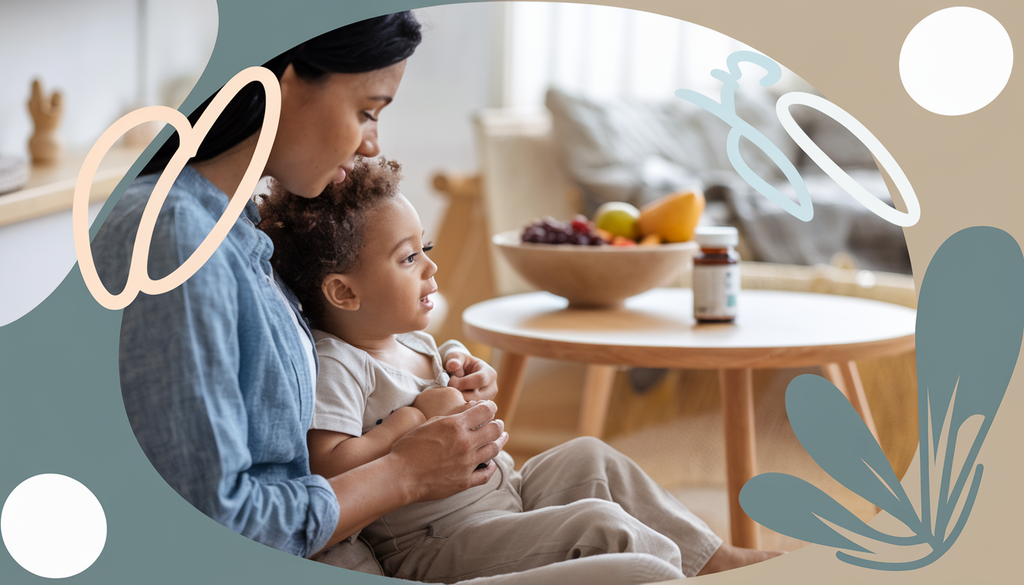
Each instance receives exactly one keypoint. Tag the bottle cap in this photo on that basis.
(717, 236)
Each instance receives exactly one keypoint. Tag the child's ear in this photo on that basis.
(339, 293)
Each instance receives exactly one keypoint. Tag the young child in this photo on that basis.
(366, 290)
(355, 258)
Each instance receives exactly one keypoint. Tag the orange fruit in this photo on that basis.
(673, 217)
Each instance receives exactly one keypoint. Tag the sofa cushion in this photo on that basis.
(635, 151)
(840, 224)
(625, 150)
(845, 149)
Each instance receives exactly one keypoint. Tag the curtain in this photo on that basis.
(607, 52)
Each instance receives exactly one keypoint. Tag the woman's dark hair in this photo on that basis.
(314, 237)
(367, 45)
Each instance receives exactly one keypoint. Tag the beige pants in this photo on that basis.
(577, 500)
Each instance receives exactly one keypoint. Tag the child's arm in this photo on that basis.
(332, 453)
(440, 401)
(473, 376)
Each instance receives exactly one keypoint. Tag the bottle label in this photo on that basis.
(716, 289)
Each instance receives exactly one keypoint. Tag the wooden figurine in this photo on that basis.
(45, 146)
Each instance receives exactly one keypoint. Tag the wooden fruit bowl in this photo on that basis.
(595, 276)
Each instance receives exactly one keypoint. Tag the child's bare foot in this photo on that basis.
(732, 557)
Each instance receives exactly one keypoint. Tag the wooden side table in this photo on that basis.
(775, 329)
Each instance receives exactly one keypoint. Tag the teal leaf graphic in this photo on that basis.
(975, 296)
(970, 326)
(834, 435)
(796, 508)
(969, 330)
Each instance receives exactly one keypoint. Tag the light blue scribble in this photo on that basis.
(726, 110)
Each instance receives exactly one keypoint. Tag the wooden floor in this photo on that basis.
(671, 426)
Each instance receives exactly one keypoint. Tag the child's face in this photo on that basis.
(394, 277)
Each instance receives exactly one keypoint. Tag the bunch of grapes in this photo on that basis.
(548, 230)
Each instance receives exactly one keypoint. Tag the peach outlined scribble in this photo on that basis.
(190, 139)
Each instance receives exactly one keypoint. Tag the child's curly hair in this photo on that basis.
(322, 235)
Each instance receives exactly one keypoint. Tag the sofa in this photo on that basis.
(578, 153)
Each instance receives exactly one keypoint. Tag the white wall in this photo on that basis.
(453, 73)
(87, 49)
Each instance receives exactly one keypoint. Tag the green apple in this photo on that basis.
(618, 218)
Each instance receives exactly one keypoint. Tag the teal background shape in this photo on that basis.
(61, 409)
(154, 536)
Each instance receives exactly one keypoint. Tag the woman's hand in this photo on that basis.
(432, 461)
(474, 377)
(439, 401)
(440, 457)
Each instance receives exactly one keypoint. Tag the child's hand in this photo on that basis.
(440, 401)
(474, 377)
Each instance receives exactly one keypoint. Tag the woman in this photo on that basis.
(217, 375)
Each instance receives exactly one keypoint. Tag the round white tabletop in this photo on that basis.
(657, 329)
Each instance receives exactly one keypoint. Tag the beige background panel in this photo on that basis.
(964, 172)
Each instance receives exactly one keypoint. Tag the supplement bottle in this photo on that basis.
(716, 274)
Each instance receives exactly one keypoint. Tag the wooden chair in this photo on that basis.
(496, 200)
(461, 251)
(521, 181)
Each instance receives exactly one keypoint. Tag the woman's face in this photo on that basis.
(325, 123)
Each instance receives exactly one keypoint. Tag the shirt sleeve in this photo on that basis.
(342, 387)
(450, 346)
(180, 378)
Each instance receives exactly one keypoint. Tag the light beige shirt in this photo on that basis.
(355, 392)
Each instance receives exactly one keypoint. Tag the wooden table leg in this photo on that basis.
(846, 377)
(737, 387)
(597, 390)
(510, 385)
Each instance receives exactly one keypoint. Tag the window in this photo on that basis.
(605, 52)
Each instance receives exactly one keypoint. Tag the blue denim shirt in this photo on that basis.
(214, 375)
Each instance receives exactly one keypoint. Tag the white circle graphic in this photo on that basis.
(956, 61)
(53, 526)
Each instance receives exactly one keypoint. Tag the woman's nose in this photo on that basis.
(368, 147)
